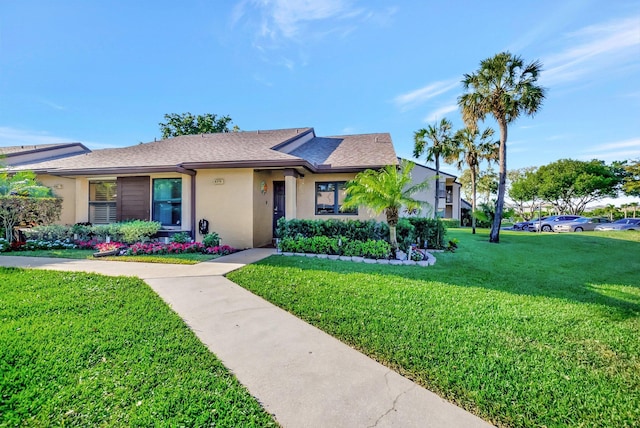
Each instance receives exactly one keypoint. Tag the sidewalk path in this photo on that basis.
(300, 374)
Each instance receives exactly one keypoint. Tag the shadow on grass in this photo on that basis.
(583, 268)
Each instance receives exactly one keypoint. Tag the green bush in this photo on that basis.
(428, 230)
(376, 249)
(211, 240)
(82, 231)
(181, 238)
(137, 230)
(353, 247)
(52, 232)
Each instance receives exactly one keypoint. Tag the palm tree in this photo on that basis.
(466, 151)
(505, 88)
(386, 190)
(634, 205)
(441, 143)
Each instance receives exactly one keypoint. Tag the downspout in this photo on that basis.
(193, 205)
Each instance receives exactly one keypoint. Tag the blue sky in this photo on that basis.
(105, 72)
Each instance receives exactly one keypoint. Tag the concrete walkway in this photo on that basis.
(301, 375)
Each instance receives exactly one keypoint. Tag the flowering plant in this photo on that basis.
(104, 247)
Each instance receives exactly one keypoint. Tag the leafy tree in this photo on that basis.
(631, 181)
(441, 145)
(524, 191)
(24, 200)
(466, 150)
(569, 185)
(505, 88)
(188, 124)
(387, 190)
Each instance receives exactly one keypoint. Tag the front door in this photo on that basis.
(278, 203)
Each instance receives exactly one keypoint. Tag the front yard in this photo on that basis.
(80, 349)
(539, 330)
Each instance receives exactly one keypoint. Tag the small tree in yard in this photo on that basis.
(24, 200)
(387, 190)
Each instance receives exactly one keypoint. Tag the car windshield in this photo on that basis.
(581, 220)
(621, 221)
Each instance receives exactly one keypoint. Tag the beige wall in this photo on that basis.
(64, 188)
(229, 205)
(420, 174)
(306, 187)
(263, 206)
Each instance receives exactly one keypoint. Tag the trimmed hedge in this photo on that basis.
(410, 230)
(373, 249)
(128, 231)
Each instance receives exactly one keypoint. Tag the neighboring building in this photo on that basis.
(449, 204)
(241, 183)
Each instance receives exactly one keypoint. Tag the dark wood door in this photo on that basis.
(132, 202)
(278, 203)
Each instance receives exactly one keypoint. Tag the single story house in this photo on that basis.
(239, 183)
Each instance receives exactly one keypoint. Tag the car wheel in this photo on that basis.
(546, 228)
(578, 229)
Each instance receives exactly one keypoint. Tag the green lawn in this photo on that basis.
(539, 330)
(186, 258)
(81, 349)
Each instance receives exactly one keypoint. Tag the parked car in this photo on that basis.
(580, 224)
(524, 225)
(546, 225)
(622, 224)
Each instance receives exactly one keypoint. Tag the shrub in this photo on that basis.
(136, 230)
(429, 232)
(52, 232)
(376, 249)
(211, 240)
(181, 238)
(4, 245)
(82, 231)
(353, 247)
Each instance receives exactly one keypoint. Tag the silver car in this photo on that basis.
(622, 224)
(580, 224)
(546, 225)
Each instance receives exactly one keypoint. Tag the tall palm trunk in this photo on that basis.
(474, 191)
(502, 182)
(437, 199)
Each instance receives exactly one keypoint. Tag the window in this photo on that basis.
(329, 198)
(167, 201)
(102, 202)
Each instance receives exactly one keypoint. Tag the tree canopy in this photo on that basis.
(441, 139)
(189, 124)
(24, 200)
(387, 190)
(472, 148)
(568, 184)
(505, 88)
(631, 180)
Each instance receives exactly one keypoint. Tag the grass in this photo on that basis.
(81, 349)
(539, 330)
(186, 258)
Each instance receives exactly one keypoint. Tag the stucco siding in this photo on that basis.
(225, 198)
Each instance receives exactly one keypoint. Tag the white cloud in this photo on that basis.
(418, 96)
(440, 113)
(617, 150)
(593, 49)
(288, 19)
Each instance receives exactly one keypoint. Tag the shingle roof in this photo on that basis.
(234, 149)
(362, 150)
